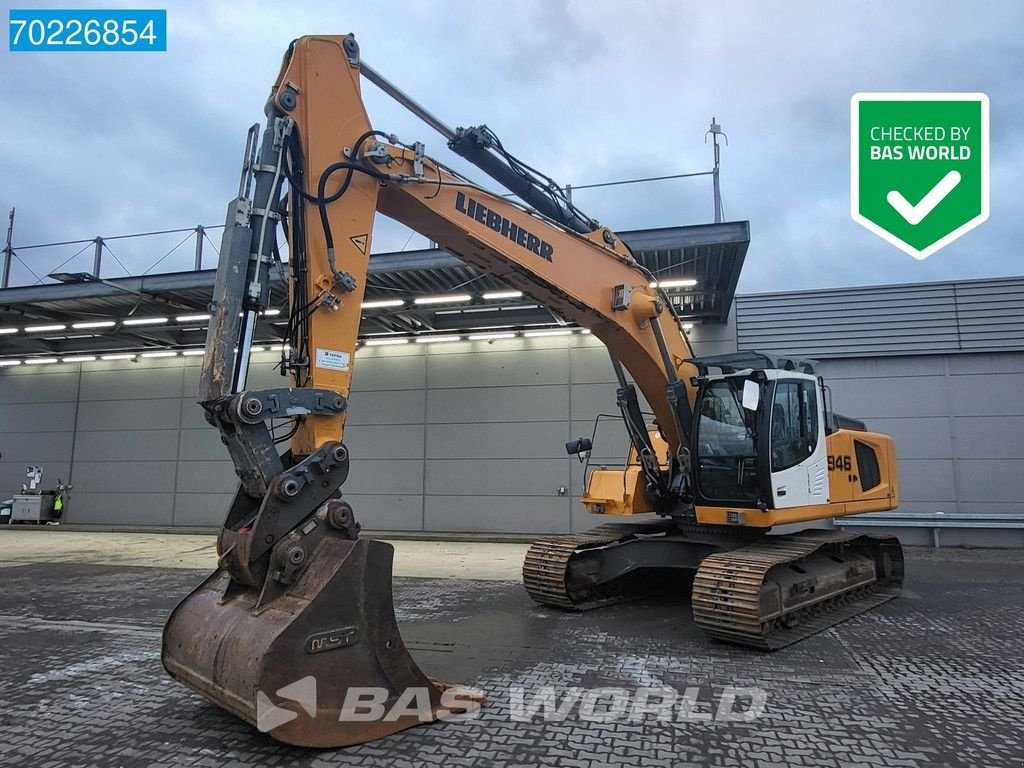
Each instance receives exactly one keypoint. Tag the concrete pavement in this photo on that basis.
(434, 559)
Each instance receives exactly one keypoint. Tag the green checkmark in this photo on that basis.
(931, 149)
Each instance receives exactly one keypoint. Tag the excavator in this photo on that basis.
(731, 447)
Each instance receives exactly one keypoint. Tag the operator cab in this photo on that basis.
(759, 433)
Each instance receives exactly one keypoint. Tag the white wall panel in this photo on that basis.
(38, 417)
(385, 407)
(207, 477)
(993, 394)
(497, 477)
(392, 477)
(135, 414)
(27, 386)
(129, 445)
(385, 441)
(490, 404)
(124, 477)
(917, 438)
(384, 511)
(144, 383)
(470, 436)
(504, 440)
(497, 514)
(130, 508)
(498, 369)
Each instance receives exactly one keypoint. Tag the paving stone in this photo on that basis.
(933, 678)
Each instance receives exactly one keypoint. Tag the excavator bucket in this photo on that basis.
(320, 665)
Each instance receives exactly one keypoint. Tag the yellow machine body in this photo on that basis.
(297, 593)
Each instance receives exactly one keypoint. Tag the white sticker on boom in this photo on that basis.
(333, 360)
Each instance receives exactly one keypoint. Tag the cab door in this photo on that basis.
(797, 451)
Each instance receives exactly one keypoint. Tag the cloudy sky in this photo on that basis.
(588, 91)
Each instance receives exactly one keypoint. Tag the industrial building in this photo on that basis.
(485, 410)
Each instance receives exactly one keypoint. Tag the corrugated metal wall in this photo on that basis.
(469, 436)
(938, 366)
(935, 318)
(958, 423)
(459, 437)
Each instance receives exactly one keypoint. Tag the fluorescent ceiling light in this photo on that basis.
(683, 282)
(78, 359)
(516, 308)
(491, 336)
(144, 321)
(9, 363)
(554, 332)
(193, 352)
(436, 339)
(585, 331)
(385, 342)
(163, 353)
(279, 348)
(451, 298)
(5, 331)
(256, 349)
(502, 295)
(487, 310)
(191, 318)
(94, 324)
(40, 360)
(383, 303)
(270, 312)
(44, 328)
(119, 356)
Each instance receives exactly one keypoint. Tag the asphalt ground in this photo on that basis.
(934, 678)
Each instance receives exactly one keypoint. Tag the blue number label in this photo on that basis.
(87, 30)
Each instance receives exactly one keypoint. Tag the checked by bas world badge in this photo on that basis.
(919, 167)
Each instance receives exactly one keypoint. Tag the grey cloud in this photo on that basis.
(587, 91)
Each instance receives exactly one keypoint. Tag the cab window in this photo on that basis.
(794, 423)
(726, 455)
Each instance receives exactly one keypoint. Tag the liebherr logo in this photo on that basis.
(478, 212)
(269, 716)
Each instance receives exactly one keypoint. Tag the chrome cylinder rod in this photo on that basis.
(405, 100)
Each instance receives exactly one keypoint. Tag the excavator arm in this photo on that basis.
(339, 173)
(298, 595)
(589, 277)
(296, 632)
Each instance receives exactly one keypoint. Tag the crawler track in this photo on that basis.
(548, 574)
(766, 595)
(746, 597)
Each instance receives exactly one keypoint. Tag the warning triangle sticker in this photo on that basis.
(360, 243)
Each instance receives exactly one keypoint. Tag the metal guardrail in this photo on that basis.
(935, 521)
(97, 245)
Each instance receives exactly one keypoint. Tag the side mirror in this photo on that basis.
(751, 395)
(579, 446)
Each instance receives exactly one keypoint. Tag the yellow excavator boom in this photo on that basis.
(301, 603)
